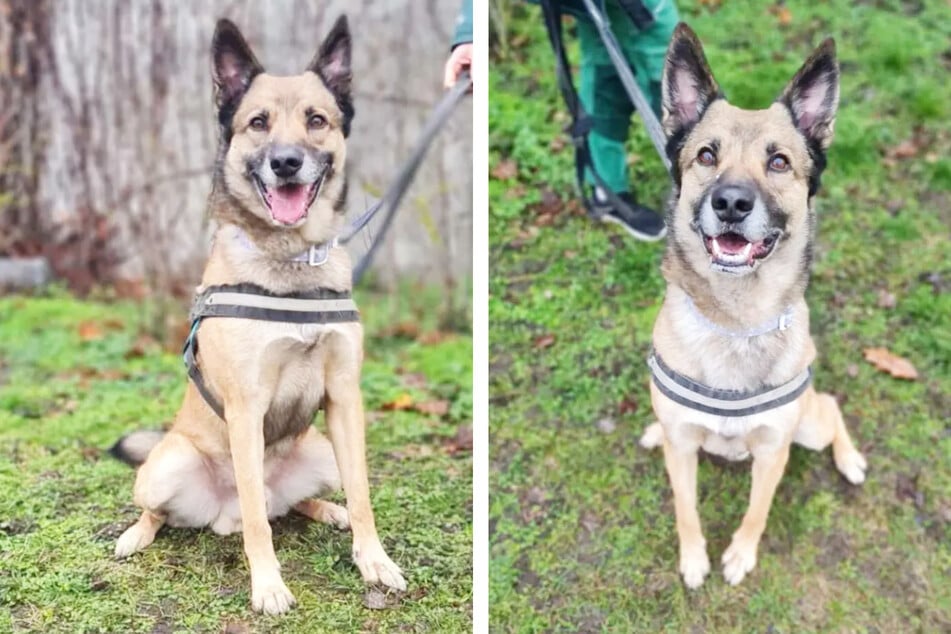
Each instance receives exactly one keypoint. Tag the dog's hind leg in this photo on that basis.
(139, 535)
(324, 512)
(820, 425)
(653, 436)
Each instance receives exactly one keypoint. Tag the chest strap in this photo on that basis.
(731, 403)
(250, 301)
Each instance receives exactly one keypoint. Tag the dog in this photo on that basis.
(279, 188)
(732, 349)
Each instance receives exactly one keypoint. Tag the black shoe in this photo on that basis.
(641, 222)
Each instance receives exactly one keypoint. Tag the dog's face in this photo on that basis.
(744, 178)
(283, 138)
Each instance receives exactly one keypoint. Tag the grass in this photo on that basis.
(582, 529)
(74, 376)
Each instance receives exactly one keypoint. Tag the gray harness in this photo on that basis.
(730, 403)
(249, 301)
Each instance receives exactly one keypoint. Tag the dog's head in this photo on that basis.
(282, 144)
(744, 179)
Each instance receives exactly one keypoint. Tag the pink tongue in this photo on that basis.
(731, 242)
(288, 203)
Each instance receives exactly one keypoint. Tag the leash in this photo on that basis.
(582, 122)
(394, 193)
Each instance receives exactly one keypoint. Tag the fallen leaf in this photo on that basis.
(852, 370)
(628, 406)
(462, 441)
(905, 150)
(433, 408)
(434, 337)
(504, 170)
(89, 331)
(783, 15)
(414, 379)
(544, 341)
(403, 329)
(606, 425)
(401, 402)
(375, 599)
(885, 361)
(143, 345)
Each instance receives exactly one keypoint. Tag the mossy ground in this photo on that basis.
(582, 528)
(74, 376)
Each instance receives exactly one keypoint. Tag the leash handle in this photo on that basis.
(394, 193)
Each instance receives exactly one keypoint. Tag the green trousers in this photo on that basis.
(602, 92)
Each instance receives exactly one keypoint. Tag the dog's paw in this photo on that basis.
(134, 539)
(376, 566)
(271, 597)
(852, 465)
(653, 436)
(337, 516)
(739, 559)
(694, 567)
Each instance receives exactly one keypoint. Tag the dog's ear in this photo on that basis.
(233, 65)
(812, 96)
(332, 64)
(688, 86)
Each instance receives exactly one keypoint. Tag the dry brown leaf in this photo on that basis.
(504, 170)
(544, 341)
(783, 16)
(403, 401)
(433, 408)
(462, 441)
(143, 345)
(89, 331)
(885, 361)
(434, 337)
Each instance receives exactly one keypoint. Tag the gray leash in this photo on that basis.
(394, 193)
(654, 130)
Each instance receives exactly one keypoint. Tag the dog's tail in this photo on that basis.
(134, 448)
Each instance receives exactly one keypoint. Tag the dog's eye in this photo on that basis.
(778, 163)
(706, 157)
(259, 123)
(316, 121)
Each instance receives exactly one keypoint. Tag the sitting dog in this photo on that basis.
(732, 350)
(278, 334)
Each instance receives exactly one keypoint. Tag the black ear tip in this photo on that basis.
(341, 26)
(226, 28)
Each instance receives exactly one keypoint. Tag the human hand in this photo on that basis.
(459, 60)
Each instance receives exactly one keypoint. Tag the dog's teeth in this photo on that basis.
(747, 250)
(716, 248)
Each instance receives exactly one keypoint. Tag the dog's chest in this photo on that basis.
(300, 354)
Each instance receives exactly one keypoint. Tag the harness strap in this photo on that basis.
(730, 403)
(250, 301)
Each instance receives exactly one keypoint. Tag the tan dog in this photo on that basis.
(731, 342)
(279, 189)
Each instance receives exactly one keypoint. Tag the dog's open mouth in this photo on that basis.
(288, 203)
(733, 250)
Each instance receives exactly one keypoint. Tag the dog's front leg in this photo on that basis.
(681, 465)
(768, 467)
(346, 425)
(246, 435)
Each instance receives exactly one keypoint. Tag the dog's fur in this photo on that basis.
(280, 180)
(741, 229)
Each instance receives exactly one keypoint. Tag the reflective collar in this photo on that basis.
(782, 322)
(731, 403)
(315, 255)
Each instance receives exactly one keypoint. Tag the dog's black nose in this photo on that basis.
(286, 161)
(732, 203)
